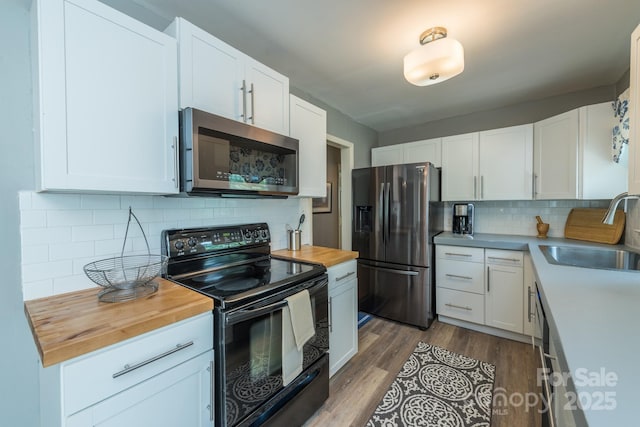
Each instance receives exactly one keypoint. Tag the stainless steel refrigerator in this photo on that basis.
(395, 218)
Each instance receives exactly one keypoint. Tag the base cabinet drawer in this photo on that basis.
(460, 305)
(461, 276)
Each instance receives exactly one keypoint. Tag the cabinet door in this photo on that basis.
(555, 157)
(503, 299)
(107, 97)
(460, 167)
(343, 329)
(210, 71)
(391, 155)
(267, 99)
(600, 177)
(506, 163)
(634, 114)
(181, 396)
(429, 150)
(308, 124)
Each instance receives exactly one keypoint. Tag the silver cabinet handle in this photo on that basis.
(475, 187)
(455, 276)
(351, 273)
(548, 356)
(458, 306)
(488, 279)
(128, 368)
(211, 391)
(482, 187)
(535, 185)
(529, 303)
(176, 160)
(330, 314)
(253, 111)
(244, 101)
(455, 254)
(504, 259)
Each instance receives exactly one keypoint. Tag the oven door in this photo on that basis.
(249, 386)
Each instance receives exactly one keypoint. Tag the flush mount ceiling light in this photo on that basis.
(437, 59)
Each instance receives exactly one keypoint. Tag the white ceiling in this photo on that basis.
(348, 53)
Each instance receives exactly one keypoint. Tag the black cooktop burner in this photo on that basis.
(245, 280)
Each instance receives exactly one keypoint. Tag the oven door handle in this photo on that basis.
(250, 313)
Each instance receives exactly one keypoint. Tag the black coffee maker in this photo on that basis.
(462, 218)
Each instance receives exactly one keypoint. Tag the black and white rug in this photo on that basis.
(437, 387)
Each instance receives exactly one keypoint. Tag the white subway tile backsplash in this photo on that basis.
(61, 233)
(35, 254)
(44, 235)
(73, 250)
(91, 232)
(68, 217)
(95, 201)
(46, 270)
(32, 218)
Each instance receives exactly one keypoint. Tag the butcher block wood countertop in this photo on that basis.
(72, 324)
(317, 255)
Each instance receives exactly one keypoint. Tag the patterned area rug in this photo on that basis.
(437, 387)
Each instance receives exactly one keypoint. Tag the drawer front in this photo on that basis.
(342, 273)
(460, 305)
(89, 379)
(460, 253)
(461, 276)
(500, 257)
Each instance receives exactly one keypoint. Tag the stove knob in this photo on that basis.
(255, 234)
(192, 241)
(179, 245)
(263, 233)
(247, 234)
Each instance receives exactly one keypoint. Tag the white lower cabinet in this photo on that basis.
(343, 314)
(481, 286)
(161, 378)
(503, 299)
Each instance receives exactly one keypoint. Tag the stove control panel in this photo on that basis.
(198, 241)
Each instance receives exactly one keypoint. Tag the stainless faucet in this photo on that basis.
(611, 212)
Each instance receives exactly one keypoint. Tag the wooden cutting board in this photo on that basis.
(586, 224)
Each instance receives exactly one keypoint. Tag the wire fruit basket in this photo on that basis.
(127, 277)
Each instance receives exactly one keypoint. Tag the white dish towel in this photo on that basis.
(297, 329)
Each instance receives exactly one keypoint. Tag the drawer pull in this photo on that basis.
(455, 254)
(351, 273)
(504, 259)
(458, 306)
(128, 368)
(455, 276)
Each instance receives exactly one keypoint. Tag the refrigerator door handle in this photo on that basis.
(383, 213)
(391, 270)
(388, 209)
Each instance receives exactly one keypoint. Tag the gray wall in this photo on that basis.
(19, 386)
(342, 126)
(513, 115)
(326, 225)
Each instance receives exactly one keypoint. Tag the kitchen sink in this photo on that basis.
(601, 258)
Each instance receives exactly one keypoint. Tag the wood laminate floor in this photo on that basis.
(357, 388)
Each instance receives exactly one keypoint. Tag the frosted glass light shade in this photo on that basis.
(434, 62)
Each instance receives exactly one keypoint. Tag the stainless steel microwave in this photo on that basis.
(223, 157)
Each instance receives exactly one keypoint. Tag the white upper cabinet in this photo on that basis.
(488, 165)
(556, 157)
(105, 99)
(460, 167)
(505, 166)
(389, 155)
(309, 125)
(429, 150)
(573, 158)
(218, 78)
(634, 114)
